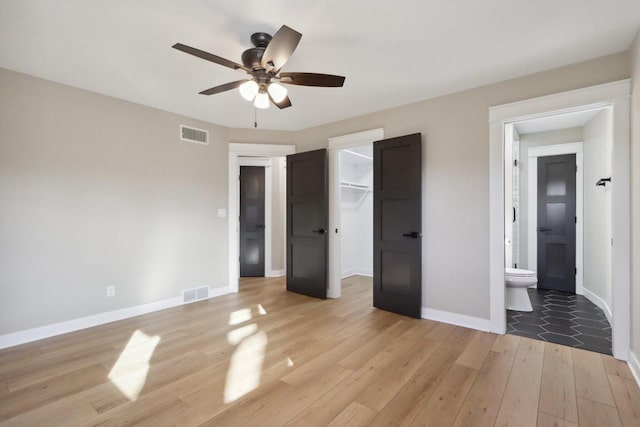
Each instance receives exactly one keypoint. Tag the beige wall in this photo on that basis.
(455, 134)
(527, 141)
(635, 197)
(95, 191)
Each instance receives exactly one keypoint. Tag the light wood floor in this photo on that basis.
(268, 357)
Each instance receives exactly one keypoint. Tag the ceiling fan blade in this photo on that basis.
(280, 48)
(209, 57)
(285, 103)
(312, 79)
(222, 88)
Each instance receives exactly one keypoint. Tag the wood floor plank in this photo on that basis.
(558, 389)
(627, 397)
(265, 356)
(546, 420)
(591, 379)
(353, 415)
(519, 405)
(417, 391)
(476, 352)
(443, 406)
(616, 367)
(507, 345)
(596, 414)
(481, 405)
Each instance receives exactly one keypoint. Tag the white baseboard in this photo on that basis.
(634, 366)
(29, 335)
(600, 303)
(276, 273)
(357, 272)
(457, 319)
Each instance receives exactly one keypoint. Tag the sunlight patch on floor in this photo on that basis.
(289, 362)
(234, 337)
(239, 316)
(245, 367)
(130, 371)
(261, 310)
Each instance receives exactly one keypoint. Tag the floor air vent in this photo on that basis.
(190, 134)
(195, 294)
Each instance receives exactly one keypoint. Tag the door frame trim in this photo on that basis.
(617, 96)
(266, 163)
(532, 201)
(335, 144)
(237, 150)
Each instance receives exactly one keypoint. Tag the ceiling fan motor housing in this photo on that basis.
(252, 57)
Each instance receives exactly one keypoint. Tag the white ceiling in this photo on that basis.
(392, 53)
(557, 122)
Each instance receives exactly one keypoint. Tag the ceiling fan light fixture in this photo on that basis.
(249, 90)
(277, 92)
(262, 100)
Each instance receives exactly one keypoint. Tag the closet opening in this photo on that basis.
(355, 198)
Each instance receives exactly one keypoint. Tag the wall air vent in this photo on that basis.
(199, 136)
(195, 294)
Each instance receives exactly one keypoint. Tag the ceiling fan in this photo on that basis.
(263, 63)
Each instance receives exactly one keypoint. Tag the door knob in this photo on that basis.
(320, 231)
(413, 235)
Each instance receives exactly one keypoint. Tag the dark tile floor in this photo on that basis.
(562, 318)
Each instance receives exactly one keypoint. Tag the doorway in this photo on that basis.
(272, 158)
(612, 98)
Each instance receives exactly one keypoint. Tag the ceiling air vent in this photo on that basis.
(190, 134)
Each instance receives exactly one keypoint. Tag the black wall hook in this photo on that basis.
(603, 181)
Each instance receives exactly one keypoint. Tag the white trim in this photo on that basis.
(357, 272)
(236, 150)
(456, 319)
(334, 287)
(29, 335)
(261, 150)
(584, 99)
(356, 139)
(276, 273)
(617, 96)
(266, 163)
(602, 304)
(634, 367)
(532, 201)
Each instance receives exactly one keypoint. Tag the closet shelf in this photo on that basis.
(354, 186)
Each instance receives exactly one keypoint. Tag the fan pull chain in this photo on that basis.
(255, 117)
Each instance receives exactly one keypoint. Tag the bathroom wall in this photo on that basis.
(598, 146)
(527, 141)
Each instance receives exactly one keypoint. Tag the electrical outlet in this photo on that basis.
(111, 291)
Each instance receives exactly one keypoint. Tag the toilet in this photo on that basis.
(517, 281)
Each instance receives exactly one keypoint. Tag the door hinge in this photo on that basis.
(575, 270)
(515, 162)
(575, 219)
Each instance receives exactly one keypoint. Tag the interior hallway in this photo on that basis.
(265, 356)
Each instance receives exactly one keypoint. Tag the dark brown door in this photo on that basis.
(397, 225)
(557, 223)
(251, 221)
(307, 222)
